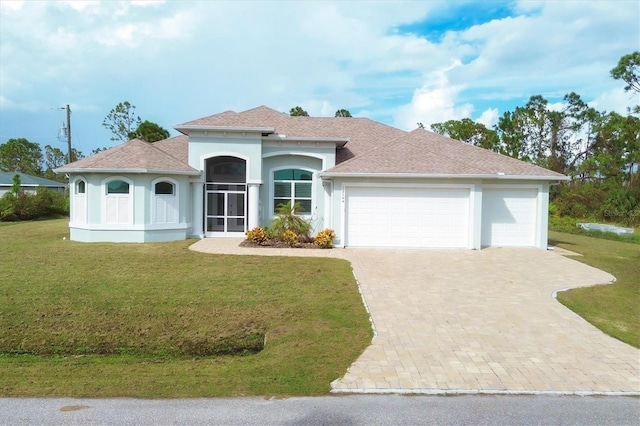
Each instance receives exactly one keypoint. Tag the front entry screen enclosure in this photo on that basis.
(226, 195)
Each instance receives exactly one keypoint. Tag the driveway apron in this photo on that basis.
(460, 321)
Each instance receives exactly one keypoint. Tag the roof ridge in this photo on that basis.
(374, 150)
(156, 147)
(102, 154)
(448, 140)
(262, 107)
(486, 151)
(205, 117)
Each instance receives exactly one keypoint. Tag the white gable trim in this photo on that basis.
(221, 129)
(134, 170)
(345, 175)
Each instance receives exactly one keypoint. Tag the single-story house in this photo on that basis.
(28, 183)
(373, 184)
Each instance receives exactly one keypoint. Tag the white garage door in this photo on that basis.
(407, 217)
(509, 217)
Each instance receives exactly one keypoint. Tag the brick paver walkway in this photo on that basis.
(451, 321)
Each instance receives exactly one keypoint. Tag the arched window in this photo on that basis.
(80, 187)
(165, 202)
(79, 210)
(293, 186)
(164, 188)
(117, 187)
(118, 202)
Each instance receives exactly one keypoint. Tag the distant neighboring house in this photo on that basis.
(373, 184)
(28, 183)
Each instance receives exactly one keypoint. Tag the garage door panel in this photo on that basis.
(407, 217)
(509, 217)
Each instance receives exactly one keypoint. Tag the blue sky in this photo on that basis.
(397, 62)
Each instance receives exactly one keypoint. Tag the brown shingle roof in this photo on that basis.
(373, 148)
(177, 146)
(424, 152)
(363, 134)
(138, 156)
(377, 148)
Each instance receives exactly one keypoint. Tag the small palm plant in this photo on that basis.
(287, 220)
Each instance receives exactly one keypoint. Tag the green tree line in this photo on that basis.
(599, 150)
(24, 156)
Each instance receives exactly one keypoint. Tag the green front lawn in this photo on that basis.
(615, 308)
(158, 320)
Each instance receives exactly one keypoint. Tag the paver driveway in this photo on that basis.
(474, 321)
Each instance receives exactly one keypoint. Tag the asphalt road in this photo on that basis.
(327, 410)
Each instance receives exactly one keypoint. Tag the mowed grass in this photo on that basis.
(615, 308)
(158, 320)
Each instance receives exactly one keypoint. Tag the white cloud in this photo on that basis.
(180, 60)
(551, 48)
(489, 117)
(616, 100)
(556, 106)
(80, 5)
(434, 102)
(144, 3)
(11, 4)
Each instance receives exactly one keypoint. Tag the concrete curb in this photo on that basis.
(364, 302)
(478, 392)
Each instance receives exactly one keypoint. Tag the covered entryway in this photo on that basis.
(406, 217)
(509, 217)
(225, 196)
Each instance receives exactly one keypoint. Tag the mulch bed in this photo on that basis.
(279, 244)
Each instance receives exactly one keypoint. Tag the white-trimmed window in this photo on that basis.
(293, 186)
(81, 187)
(80, 201)
(118, 201)
(165, 201)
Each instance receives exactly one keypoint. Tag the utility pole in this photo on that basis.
(69, 132)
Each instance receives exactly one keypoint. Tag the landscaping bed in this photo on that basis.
(277, 243)
(288, 229)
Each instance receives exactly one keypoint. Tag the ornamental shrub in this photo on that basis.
(324, 238)
(287, 220)
(258, 235)
(289, 237)
(26, 206)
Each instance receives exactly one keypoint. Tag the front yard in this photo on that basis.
(158, 320)
(615, 308)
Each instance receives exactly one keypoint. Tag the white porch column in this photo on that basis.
(198, 210)
(476, 193)
(327, 185)
(253, 212)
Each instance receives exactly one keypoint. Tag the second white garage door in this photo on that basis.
(509, 217)
(406, 217)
